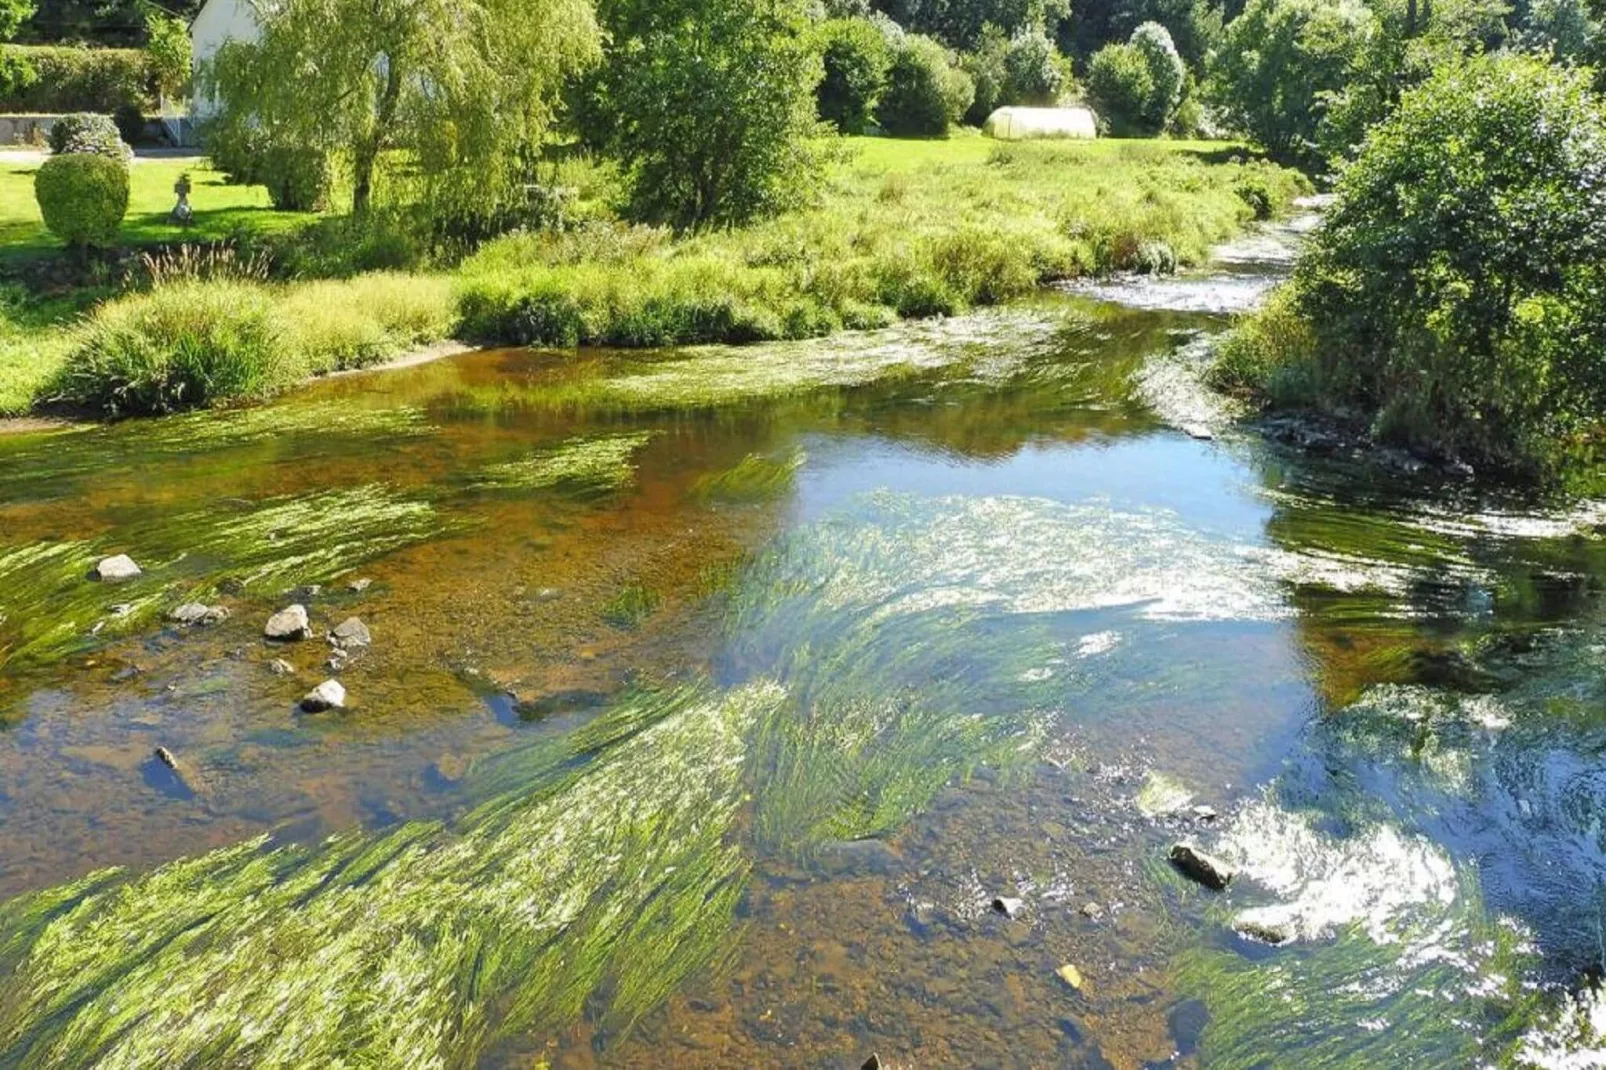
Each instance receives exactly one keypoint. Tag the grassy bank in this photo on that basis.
(905, 229)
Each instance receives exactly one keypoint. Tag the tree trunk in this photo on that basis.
(366, 154)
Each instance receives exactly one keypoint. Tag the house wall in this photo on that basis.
(218, 21)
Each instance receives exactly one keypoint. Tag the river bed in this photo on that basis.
(715, 695)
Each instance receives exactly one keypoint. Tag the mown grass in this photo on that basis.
(905, 229)
(221, 209)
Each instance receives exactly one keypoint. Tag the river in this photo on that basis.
(715, 696)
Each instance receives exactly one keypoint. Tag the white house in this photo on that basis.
(217, 21)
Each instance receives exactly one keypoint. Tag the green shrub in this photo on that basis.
(297, 178)
(856, 57)
(83, 198)
(1454, 289)
(925, 93)
(85, 132)
(1032, 70)
(180, 346)
(1153, 42)
(1265, 353)
(988, 73)
(1120, 86)
(77, 79)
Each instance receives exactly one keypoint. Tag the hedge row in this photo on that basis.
(76, 79)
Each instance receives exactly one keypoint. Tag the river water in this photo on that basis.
(714, 696)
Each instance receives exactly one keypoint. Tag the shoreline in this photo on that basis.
(412, 358)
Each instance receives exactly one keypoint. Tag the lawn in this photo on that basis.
(220, 208)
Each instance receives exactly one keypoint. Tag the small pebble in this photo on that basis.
(280, 667)
(112, 569)
(1008, 907)
(359, 586)
(1071, 976)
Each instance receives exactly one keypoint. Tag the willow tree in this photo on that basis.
(461, 90)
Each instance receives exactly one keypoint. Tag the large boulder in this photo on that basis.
(329, 695)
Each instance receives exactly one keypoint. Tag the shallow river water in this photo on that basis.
(715, 695)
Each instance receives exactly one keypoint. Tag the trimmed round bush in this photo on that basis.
(87, 132)
(856, 58)
(925, 93)
(83, 198)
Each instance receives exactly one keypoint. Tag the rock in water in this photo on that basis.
(1207, 870)
(349, 633)
(873, 1063)
(280, 667)
(359, 586)
(167, 758)
(1071, 976)
(288, 624)
(1009, 907)
(120, 567)
(328, 695)
(194, 614)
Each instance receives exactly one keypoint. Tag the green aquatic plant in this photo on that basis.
(754, 478)
(607, 874)
(50, 608)
(631, 606)
(595, 465)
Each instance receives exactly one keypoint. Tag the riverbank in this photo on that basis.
(905, 230)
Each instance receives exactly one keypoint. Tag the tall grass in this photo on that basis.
(886, 241)
(193, 342)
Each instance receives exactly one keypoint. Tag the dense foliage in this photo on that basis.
(711, 107)
(83, 198)
(52, 79)
(1280, 62)
(1454, 291)
(962, 23)
(465, 88)
(1136, 87)
(856, 58)
(926, 93)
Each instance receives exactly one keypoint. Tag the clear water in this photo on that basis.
(715, 695)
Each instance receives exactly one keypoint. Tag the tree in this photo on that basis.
(1166, 74)
(13, 13)
(961, 23)
(856, 57)
(1194, 25)
(1279, 65)
(1032, 70)
(710, 104)
(1120, 87)
(926, 93)
(466, 89)
(167, 51)
(1454, 286)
